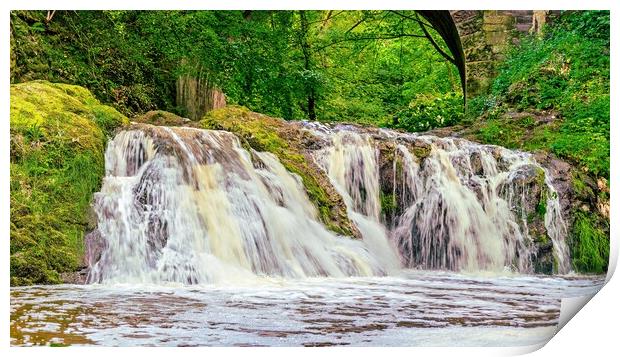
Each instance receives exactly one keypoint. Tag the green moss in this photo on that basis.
(388, 203)
(541, 206)
(589, 245)
(421, 152)
(582, 190)
(542, 239)
(263, 133)
(58, 136)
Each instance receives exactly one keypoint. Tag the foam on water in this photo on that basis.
(412, 308)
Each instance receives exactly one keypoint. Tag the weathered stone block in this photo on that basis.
(469, 27)
(487, 27)
(496, 37)
(498, 19)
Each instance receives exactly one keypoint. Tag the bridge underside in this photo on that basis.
(478, 39)
(442, 22)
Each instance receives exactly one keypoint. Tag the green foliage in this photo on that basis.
(566, 71)
(499, 132)
(590, 245)
(388, 204)
(427, 112)
(488, 105)
(355, 66)
(100, 50)
(58, 135)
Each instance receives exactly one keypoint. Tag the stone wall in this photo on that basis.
(485, 37)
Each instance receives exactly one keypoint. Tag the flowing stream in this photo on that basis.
(202, 242)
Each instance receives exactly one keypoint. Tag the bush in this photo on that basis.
(428, 112)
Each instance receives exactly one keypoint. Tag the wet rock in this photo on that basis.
(560, 172)
(544, 259)
(476, 164)
(421, 149)
(311, 141)
(76, 277)
(95, 244)
(498, 155)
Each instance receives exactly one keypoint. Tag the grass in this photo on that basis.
(590, 245)
(58, 136)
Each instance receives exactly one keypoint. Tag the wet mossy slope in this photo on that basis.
(58, 138)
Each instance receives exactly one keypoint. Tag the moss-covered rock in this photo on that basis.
(163, 118)
(290, 144)
(58, 137)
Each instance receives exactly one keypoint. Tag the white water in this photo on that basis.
(192, 206)
(410, 308)
(457, 216)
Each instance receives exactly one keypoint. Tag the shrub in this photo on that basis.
(428, 112)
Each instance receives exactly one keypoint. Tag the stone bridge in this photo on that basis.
(478, 39)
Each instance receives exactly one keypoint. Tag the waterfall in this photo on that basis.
(465, 206)
(351, 165)
(193, 206)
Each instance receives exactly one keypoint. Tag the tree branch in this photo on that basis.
(50, 15)
(380, 37)
(356, 24)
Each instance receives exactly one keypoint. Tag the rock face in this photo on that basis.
(95, 245)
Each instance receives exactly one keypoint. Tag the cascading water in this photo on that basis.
(464, 205)
(351, 164)
(192, 206)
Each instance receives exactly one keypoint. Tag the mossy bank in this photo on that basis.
(58, 138)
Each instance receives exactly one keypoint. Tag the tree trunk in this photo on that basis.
(197, 95)
(305, 49)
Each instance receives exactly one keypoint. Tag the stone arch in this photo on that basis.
(478, 39)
